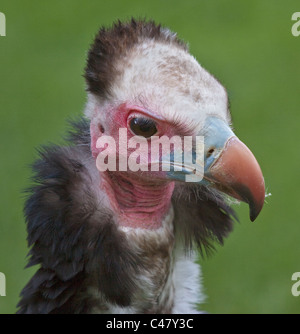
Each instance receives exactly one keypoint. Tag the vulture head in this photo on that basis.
(142, 79)
(145, 176)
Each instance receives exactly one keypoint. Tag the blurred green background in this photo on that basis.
(248, 45)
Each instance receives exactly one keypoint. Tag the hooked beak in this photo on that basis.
(237, 173)
(230, 166)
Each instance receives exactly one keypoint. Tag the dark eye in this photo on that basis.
(143, 126)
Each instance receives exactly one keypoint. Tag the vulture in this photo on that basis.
(127, 240)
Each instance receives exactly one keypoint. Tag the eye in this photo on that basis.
(141, 126)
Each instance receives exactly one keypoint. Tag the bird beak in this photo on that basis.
(229, 166)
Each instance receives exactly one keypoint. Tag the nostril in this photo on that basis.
(101, 128)
(210, 152)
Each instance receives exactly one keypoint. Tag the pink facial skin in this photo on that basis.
(140, 199)
(139, 203)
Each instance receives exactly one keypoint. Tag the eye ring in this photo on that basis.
(142, 126)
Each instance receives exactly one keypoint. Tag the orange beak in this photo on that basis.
(237, 173)
(228, 166)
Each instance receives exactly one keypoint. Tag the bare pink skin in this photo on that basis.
(140, 199)
(139, 203)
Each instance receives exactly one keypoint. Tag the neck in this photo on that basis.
(138, 203)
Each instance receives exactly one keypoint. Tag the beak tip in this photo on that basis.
(254, 214)
(256, 206)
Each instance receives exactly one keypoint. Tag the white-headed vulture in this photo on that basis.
(126, 240)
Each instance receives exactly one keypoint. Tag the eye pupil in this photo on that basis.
(143, 127)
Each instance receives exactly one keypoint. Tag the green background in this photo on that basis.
(248, 45)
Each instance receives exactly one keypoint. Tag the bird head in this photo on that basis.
(144, 86)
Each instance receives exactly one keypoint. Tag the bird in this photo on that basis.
(128, 241)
